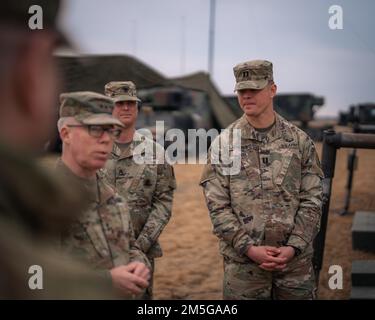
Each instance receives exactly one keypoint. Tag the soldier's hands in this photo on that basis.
(139, 269)
(267, 257)
(126, 281)
(287, 253)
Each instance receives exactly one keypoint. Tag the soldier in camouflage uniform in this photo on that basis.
(103, 234)
(148, 188)
(267, 214)
(34, 207)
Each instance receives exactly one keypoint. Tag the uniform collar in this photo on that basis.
(130, 150)
(279, 130)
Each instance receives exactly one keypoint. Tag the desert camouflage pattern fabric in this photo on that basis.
(88, 107)
(121, 91)
(296, 282)
(276, 197)
(34, 209)
(254, 74)
(103, 234)
(148, 190)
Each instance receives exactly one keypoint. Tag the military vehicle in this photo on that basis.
(178, 107)
(174, 107)
(298, 108)
(360, 117)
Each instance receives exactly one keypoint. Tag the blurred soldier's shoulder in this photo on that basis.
(32, 269)
(33, 212)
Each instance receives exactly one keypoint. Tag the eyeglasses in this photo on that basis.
(96, 131)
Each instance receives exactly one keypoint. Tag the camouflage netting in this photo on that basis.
(201, 81)
(92, 72)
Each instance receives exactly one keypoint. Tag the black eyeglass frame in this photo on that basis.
(97, 131)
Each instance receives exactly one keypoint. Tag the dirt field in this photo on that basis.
(192, 268)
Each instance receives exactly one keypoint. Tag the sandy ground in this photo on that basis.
(192, 268)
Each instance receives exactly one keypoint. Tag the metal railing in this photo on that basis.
(331, 142)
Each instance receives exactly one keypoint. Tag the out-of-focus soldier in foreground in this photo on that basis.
(148, 188)
(34, 208)
(267, 214)
(103, 235)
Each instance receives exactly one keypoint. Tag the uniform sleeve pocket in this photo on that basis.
(207, 175)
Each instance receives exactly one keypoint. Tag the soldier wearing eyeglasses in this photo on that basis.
(103, 234)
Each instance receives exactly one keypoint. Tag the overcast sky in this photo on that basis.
(172, 37)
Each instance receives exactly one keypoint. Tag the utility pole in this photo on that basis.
(211, 38)
(183, 44)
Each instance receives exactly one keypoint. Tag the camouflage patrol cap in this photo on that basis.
(89, 108)
(17, 14)
(121, 91)
(253, 74)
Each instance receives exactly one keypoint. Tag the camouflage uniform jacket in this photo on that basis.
(148, 189)
(276, 197)
(103, 234)
(34, 209)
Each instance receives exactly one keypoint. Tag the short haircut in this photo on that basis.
(63, 121)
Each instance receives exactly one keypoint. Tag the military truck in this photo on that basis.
(177, 108)
(298, 108)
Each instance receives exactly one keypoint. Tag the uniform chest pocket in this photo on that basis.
(131, 179)
(149, 177)
(247, 182)
(250, 173)
(144, 179)
(287, 171)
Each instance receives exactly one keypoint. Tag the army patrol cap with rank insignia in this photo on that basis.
(89, 108)
(121, 91)
(254, 74)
